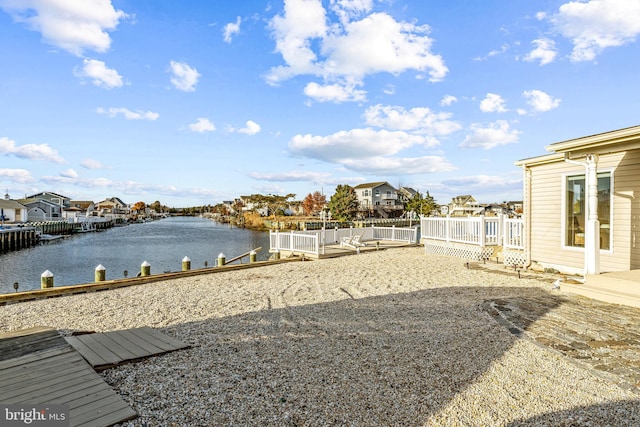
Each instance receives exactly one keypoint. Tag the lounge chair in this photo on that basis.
(352, 242)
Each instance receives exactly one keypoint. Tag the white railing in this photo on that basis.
(396, 234)
(304, 242)
(479, 230)
(513, 233)
(312, 241)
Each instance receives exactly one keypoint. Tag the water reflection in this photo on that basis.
(162, 243)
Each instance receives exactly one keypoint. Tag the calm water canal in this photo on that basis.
(163, 244)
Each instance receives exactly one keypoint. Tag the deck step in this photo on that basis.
(618, 288)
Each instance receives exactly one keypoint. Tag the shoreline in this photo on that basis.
(383, 338)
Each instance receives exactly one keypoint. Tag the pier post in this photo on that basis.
(252, 257)
(221, 259)
(276, 255)
(145, 269)
(46, 280)
(101, 273)
(186, 264)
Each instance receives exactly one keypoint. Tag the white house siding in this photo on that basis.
(626, 212)
(546, 219)
(548, 186)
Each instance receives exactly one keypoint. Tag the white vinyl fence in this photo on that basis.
(474, 237)
(475, 230)
(312, 242)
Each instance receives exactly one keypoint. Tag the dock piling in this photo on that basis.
(186, 263)
(46, 280)
(145, 269)
(221, 259)
(101, 273)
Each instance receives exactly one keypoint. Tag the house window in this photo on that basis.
(365, 193)
(377, 193)
(576, 215)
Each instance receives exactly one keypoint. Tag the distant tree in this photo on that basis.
(313, 203)
(421, 205)
(157, 206)
(344, 203)
(139, 206)
(237, 206)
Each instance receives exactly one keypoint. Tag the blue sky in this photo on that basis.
(196, 102)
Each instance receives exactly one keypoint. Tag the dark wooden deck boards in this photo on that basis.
(107, 349)
(37, 366)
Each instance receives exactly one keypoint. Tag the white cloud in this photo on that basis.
(355, 143)
(231, 29)
(448, 100)
(595, 25)
(70, 25)
(128, 114)
(334, 93)
(494, 135)
(251, 128)
(102, 76)
(344, 53)
(545, 51)
(540, 101)
(418, 120)
(481, 183)
(202, 125)
(378, 43)
(21, 176)
(349, 9)
(504, 48)
(293, 176)
(92, 164)
(29, 151)
(303, 21)
(399, 165)
(184, 77)
(492, 103)
(69, 173)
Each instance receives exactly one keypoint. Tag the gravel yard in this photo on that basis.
(385, 338)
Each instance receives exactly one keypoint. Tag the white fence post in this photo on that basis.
(447, 233)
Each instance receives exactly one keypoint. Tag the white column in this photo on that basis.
(592, 232)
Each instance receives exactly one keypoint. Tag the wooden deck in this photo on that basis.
(37, 366)
(107, 349)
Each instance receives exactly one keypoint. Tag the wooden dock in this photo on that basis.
(108, 349)
(39, 366)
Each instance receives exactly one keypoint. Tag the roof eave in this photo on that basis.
(598, 141)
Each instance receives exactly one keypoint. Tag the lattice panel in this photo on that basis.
(459, 250)
(514, 257)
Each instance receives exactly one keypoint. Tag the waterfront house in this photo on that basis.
(379, 199)
(582, 204)
(464, 205)
(12, 211)
(112, 206)
(248, 205)
(45, 206)
(406, 193)
(87, 206)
